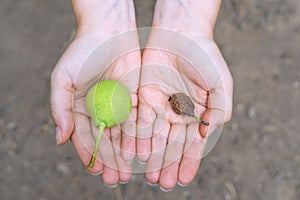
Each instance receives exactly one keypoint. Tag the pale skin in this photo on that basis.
(96, 23)
(156, 122)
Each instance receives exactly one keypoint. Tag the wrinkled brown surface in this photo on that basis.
(182, 104)
(258, 152)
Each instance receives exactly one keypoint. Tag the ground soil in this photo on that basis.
(257, 156)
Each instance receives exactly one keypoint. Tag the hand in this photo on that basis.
(180, 57)
(101, 28)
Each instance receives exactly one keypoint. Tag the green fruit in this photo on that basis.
(108, 103)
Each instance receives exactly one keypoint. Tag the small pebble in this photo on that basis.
(251, 112)
(230, 193)
(296, 84)
(278, 176)
(63, 168)
(12, 126)
(227, 196)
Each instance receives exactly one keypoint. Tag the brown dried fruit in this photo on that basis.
(183, 105)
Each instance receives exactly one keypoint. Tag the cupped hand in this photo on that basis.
(172, 144)
(180, 56)
(104, 47)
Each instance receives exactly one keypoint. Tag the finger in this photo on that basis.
(129, 136)
(124, 169)
(144, 131)
(61, 105)
(214, 117)
(172, 158)
(219, 104)
(159, 140)
(110, 174)
(193, 149)
(84, 143)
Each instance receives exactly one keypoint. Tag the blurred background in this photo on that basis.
(257, 156)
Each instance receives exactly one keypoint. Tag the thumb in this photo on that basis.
(61, 105)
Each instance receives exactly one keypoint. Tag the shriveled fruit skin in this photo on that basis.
(182, 104)
(108, 101)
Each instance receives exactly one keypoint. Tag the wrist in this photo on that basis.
(104, 16)
(191, 16)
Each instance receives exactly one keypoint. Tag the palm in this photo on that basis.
(171, 77)
(81, 66)
(174, 140)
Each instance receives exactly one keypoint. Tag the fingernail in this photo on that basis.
(111, 186)
(152, 184)
(123, 182)
(98, 173)
(58, 136)
(180, 184)
(165, 190)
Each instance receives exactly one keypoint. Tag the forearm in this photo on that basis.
(187, 15)
(99, 15)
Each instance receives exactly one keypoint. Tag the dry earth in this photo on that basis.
(257, 156)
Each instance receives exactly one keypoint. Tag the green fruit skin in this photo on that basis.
(108, 101)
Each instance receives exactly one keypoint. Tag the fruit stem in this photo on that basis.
(201, 121)
(102, 126)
